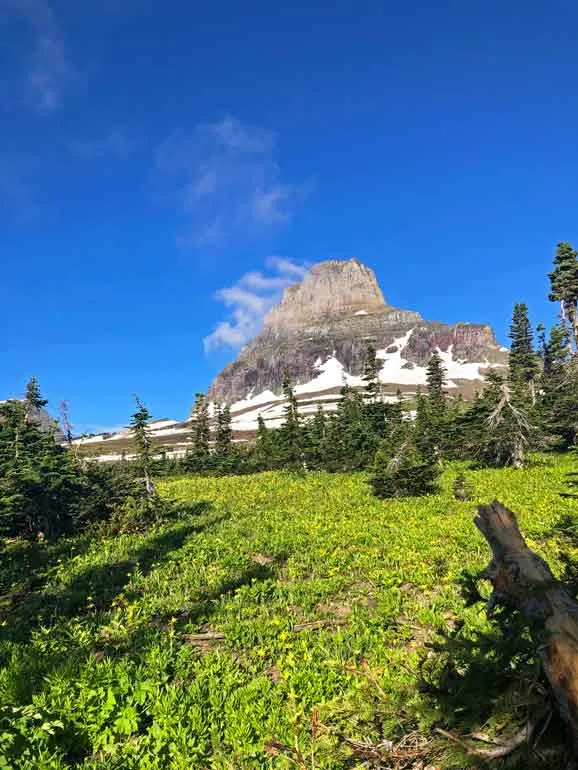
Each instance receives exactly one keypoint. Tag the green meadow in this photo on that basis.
(278, 621)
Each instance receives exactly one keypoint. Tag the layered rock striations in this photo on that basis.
(320, 332)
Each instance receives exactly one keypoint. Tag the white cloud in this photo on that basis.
(255, 280)
(225, 180)
(271, 206)
(48, 73)
(249, 300)
(285, 267)
(236, 138)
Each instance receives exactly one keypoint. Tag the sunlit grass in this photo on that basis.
(97, 656)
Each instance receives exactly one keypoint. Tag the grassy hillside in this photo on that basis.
(323, 595)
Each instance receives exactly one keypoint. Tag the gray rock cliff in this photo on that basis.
(338, 310)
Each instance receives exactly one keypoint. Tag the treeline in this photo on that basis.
(47, 488)
(531, 406)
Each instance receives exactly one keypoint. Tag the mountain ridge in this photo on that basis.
(329, 319)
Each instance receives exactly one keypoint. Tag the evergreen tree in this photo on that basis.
(454, 421)
(290, 431)
(224, 433)
(144, 449)
(505, 430)
(558, 402)
(40, 484)
(405, 472)
(436, 404)
(316, 438)
(436, 382)
(425, 427)
(351, 437)
(523, 360)
(542, 345)
(371, 370)
(264, 447)
(375, 410)
(198, 457)
(33, 401)
(564, 288)
(65, 424)
(225, 459)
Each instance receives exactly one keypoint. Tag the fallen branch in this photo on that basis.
(523, 581)
(507, 746)
(316, 625)
(209, 637)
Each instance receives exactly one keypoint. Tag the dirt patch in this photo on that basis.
(273, 674)
(261, 559)
(338, 610)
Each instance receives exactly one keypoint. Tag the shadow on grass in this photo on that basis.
(23, 611)
(201, 610)
(571, 485)
(565, 532)
(195, 615)
(491, 683)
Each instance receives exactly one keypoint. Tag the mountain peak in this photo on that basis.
(332, 289)
(319, 335)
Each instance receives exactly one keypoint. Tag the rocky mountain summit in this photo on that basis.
(320, 332)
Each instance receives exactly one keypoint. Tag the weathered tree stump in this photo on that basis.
(523, 580)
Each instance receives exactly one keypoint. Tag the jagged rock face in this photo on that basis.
(335, 313)
(330, 291)
(43, 418)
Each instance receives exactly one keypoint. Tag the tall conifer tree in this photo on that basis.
(224, 432)
(371, 369)
(436, 406)
(523, 360)
(504, 430)
(290, 431)
(198, 457)
(144, 451)
(558, 403)
(564, 289)
(33, 400)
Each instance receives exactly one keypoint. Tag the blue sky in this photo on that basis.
(154, 154)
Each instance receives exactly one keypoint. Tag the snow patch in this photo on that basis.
(250, 401)
(393, 371)
(460, 370)
(162, 424)
(332, 374)
(361, 312)
(101, 438)
(170, 431)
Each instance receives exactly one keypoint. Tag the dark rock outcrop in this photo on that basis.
(338, 310)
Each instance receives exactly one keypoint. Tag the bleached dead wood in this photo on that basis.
(522, 580)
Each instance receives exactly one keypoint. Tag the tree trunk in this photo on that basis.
(518, 455)
(569, 315)
(574, 323)
(523, 580)
(149, 486)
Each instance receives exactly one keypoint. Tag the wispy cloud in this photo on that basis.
(115, 144)
(250, 299)
(48, 72)
(226, 181)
